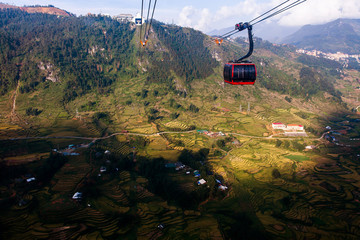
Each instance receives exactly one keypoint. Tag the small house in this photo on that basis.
(30, 179)
(179, 166)
(223, 188)
(201, 181)
(161, 226)
(77, 195)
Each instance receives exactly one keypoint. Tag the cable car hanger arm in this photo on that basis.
(240, 27)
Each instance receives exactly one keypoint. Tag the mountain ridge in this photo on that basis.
(38, 9)
(341, 35)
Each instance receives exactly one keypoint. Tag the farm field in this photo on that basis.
(256, 186)
(279, 190)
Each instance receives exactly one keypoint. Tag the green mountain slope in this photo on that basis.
(82, 65)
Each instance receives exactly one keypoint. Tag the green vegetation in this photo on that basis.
(33, 111)
(297, 158)
(187, 57)
(85, 81)
(66, 48)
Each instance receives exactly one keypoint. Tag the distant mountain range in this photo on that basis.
(341, 35)
(38, 9)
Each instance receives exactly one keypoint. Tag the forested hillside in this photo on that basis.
(76, 56)
(75, 50)
(89, 53)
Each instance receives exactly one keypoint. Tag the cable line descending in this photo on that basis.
(148, 22)
(242, 71)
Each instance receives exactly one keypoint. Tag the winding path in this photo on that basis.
(145, 135)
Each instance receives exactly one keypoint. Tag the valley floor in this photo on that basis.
(273, 189)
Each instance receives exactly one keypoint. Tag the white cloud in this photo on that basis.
(196, 18)
(310, 12)
(186, 16)
(321, 11)
(203, 19)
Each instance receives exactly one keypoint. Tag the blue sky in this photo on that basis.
(206, 15)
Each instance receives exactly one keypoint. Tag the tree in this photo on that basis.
(276, 173)
(193, 108)
(174, 115)
(33, 111)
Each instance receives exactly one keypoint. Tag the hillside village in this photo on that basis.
(339, 56)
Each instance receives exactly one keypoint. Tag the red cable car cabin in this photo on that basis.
(240, 73)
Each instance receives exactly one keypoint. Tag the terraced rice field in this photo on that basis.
(177, 125)
(310, 197)
(71, 174)
(304, 204)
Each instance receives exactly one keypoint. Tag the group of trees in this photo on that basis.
(33, 111)
(310, 83)
(187, 56)
(86, 51)
(313, 82)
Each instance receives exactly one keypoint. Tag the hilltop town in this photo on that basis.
(338, 56)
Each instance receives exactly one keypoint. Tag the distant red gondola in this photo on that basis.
(240, 73)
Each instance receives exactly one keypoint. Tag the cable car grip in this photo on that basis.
(242, 26)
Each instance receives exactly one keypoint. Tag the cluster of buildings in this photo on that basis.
(130, 18)
(289, 127)
(339, 56)
(124, 18)
(69, 151)
(179, 166)
(211, 134)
